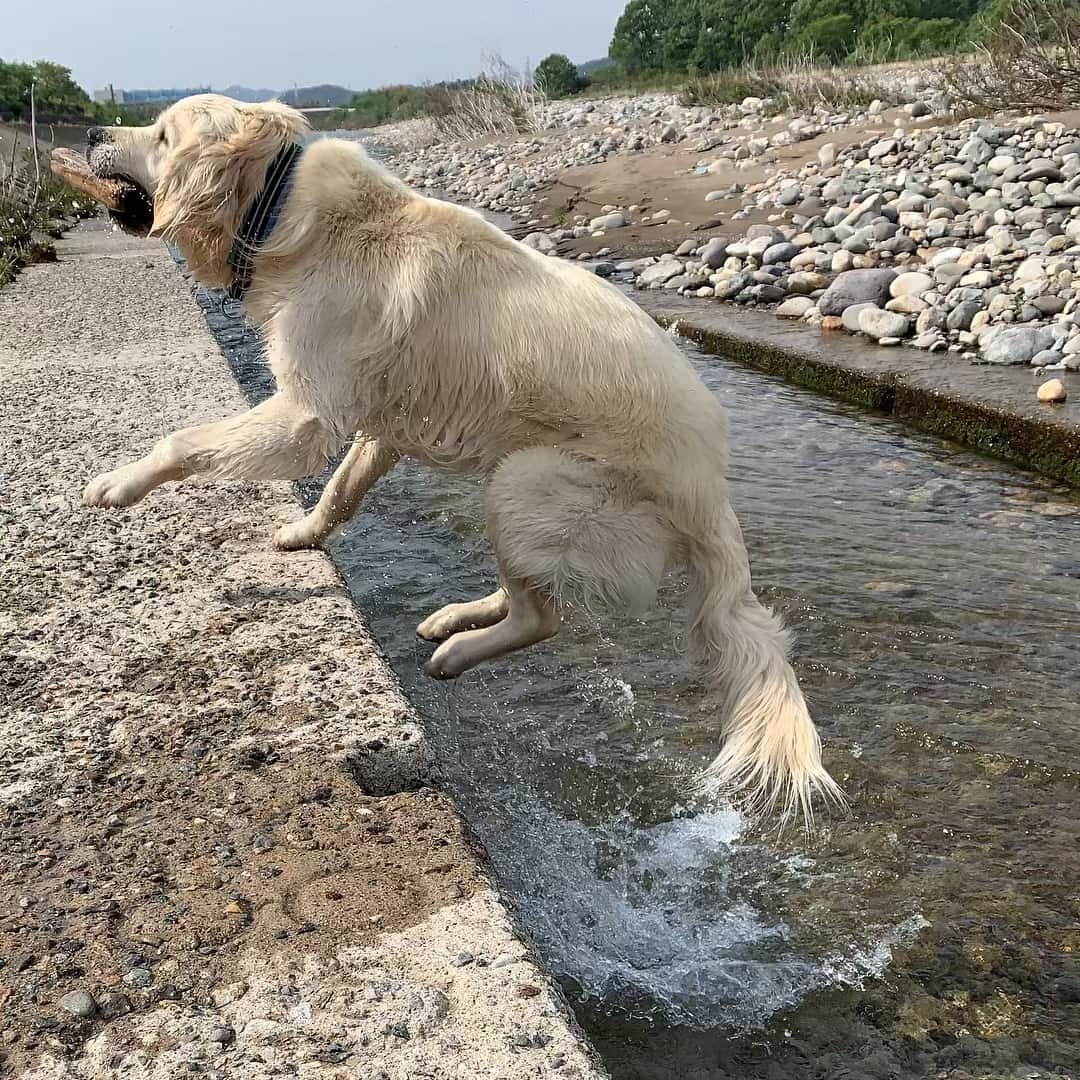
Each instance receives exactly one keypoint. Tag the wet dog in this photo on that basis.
(415, 328)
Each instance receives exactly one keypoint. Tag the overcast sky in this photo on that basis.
(279, 43)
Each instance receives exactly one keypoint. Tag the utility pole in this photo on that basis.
(33, 132)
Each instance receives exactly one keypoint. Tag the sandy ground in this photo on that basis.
(219, 838)
(663, 178)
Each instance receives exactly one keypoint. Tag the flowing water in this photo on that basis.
(936, 598)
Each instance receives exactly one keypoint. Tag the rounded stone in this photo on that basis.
(856, 287)
(1053, 392)
(794, 307)
(79, 1003)
(850, 318)
(879, 324)
(779, 253)
(913, 283)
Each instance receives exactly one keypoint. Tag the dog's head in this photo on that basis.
(201, 163)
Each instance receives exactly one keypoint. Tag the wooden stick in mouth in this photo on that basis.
(72, 168)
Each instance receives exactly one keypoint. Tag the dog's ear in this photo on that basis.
(217, 169)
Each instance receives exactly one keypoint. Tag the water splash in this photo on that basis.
(646, 921)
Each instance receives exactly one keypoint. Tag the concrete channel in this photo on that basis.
(987, 408)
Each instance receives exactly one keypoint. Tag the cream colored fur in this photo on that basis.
(420, 330)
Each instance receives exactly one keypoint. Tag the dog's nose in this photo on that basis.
(96, 135)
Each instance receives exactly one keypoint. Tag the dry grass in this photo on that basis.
(33, 206)
(1029, 61)
(502, 101)
(795, 82)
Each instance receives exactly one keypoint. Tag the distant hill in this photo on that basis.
(245, 93)
(325, 95)
(157, 96)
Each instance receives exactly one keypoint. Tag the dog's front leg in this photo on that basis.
(278, 439)
(366, 461)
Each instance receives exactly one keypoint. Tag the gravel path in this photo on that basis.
(219, 857)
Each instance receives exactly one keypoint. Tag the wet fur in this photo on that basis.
(435, 336)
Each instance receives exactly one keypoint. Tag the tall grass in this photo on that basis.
(501, 101)
(788, 83)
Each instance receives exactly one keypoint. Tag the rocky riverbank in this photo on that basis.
(896, 222)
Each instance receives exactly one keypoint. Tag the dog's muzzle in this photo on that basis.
(100, 150)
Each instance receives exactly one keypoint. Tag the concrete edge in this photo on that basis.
(978, 407)
(458, 993)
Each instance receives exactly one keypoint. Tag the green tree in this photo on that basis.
(557, 76)
(830, 38)
(56, 94)
(636, 43)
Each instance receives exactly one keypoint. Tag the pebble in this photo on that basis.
(139, 978)
(1014, 345)
(80, 1003)
(883, 325)
(462, 959)
(794, 307)
(855, 287)
(615, 220)
(911, 283)
(850, 319)
(112, 1006)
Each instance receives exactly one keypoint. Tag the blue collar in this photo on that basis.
(261, 217)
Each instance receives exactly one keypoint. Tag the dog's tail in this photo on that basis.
(771, 754)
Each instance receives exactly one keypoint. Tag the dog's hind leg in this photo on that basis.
(277, 440)
(531, 617)
(366, 461)
(473, 615)
(563, 527)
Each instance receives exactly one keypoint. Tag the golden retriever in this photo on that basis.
(418, 329)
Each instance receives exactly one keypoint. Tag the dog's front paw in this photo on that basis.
(298, 536)
(121, 487)
(440, 626)
(435, 669)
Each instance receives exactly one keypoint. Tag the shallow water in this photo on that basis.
(936, 598)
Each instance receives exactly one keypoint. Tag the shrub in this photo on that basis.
(790, 82)
(557, 77)
(31, 209)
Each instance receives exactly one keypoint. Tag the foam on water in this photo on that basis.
(647, 921)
